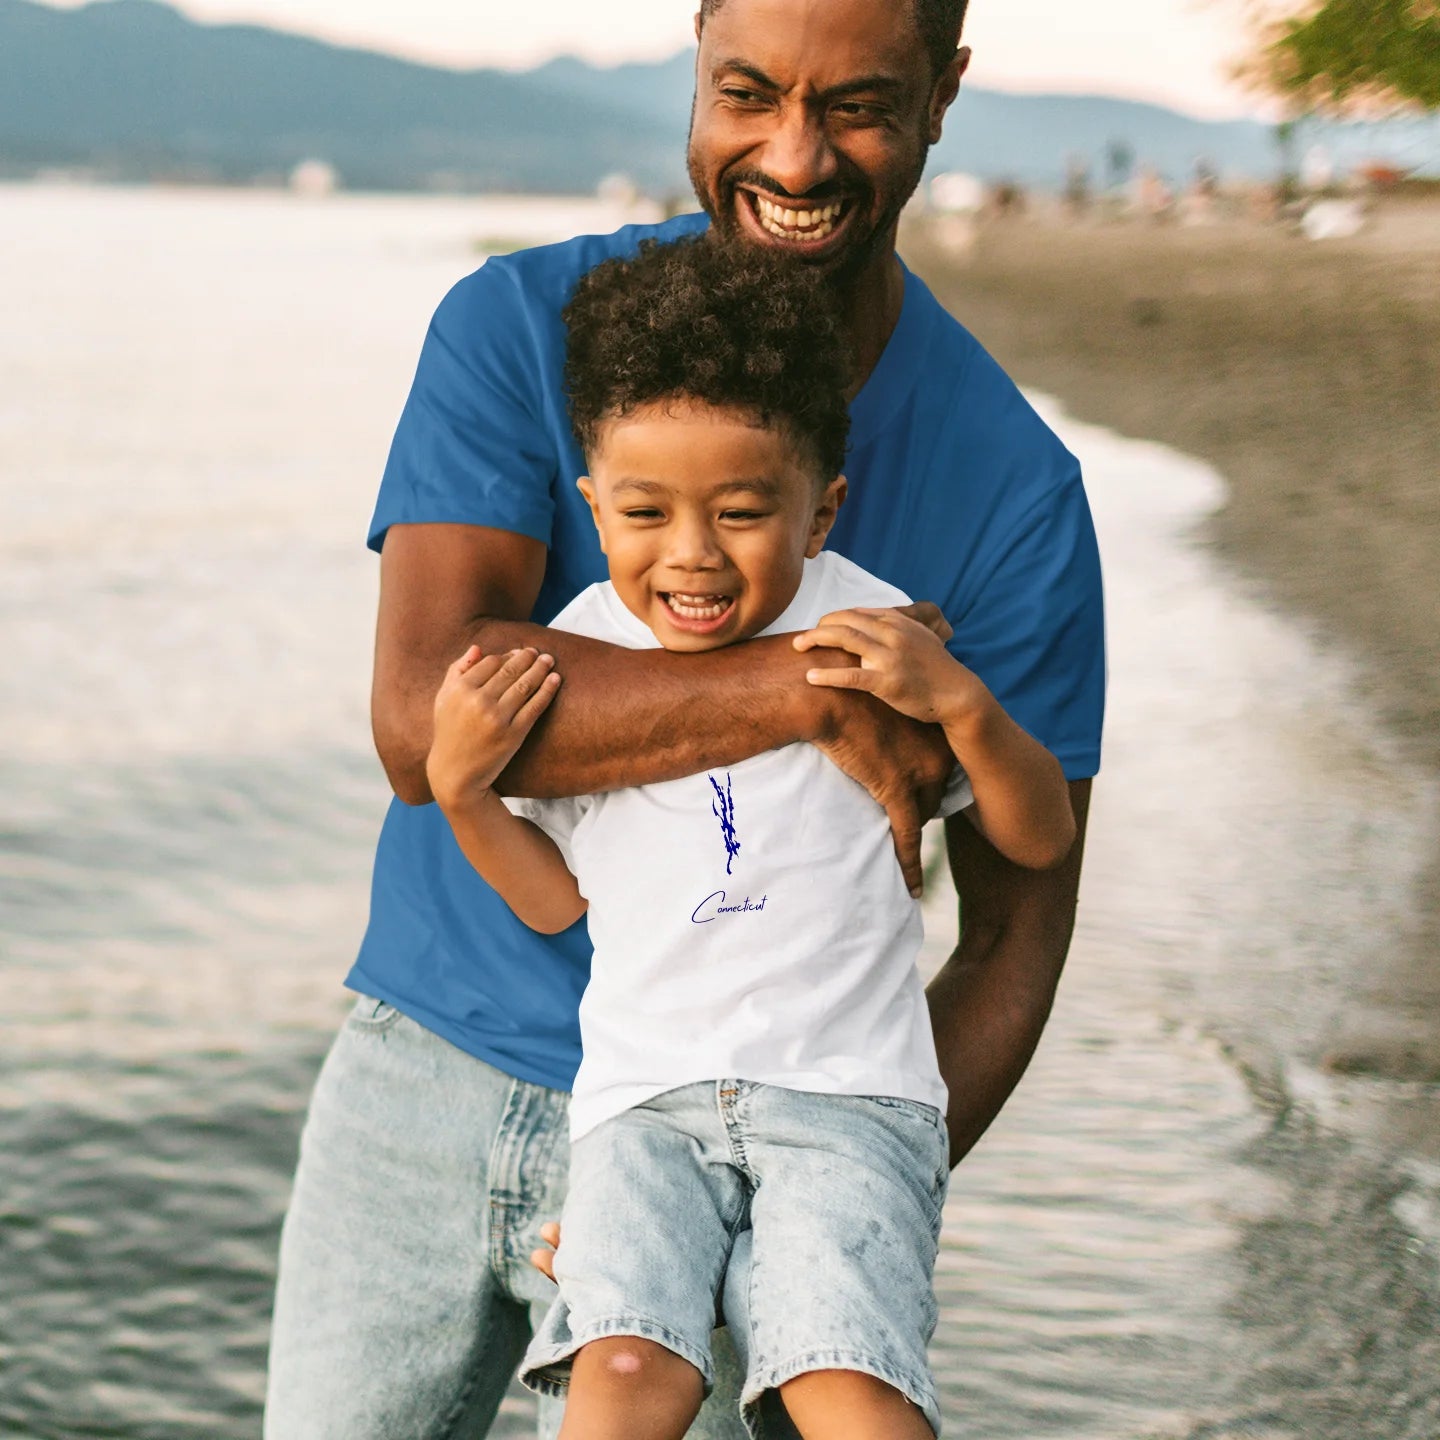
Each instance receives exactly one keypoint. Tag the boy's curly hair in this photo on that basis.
(729, 326)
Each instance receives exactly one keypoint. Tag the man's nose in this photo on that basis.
(798, 154)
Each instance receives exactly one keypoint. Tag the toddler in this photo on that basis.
(758, 1059)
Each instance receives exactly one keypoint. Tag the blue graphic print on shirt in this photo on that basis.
(723, 805)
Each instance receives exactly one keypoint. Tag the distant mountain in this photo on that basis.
(133, 89)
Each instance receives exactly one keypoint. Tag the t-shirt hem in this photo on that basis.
(1079, 764)
(552, 1078)
(588, 1112)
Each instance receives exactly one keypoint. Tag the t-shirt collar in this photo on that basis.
(635, 633)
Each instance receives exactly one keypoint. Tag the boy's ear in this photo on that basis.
(586, 486)
(825, 512)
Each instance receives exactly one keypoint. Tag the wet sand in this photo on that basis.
(1308, 374)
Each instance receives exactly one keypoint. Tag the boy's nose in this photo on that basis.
(694, 547)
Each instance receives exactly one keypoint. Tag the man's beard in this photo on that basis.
(849, 262)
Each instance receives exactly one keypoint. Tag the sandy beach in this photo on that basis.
(1308, 374)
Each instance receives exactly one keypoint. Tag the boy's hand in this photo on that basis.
(485, 707)
(925, 611)
(903, 662)
(543, 1258)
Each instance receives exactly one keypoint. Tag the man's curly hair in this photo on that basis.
(732, 327)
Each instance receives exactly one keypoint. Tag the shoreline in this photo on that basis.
(1308, 375)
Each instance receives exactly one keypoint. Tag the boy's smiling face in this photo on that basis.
(706, 518)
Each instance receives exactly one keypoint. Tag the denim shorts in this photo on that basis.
(809, 1222)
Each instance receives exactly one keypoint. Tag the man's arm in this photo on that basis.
(623, 717)
(990, 1001)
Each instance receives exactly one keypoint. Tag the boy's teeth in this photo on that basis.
(787, 224)
(699, 607)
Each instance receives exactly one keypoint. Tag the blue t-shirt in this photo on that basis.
(959, 494)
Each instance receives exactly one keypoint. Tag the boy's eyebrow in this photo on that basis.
(770, 488)
(647, 487)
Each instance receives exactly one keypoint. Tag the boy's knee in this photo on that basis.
(633, 1358)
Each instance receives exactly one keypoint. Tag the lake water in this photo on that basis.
(1180, 1227)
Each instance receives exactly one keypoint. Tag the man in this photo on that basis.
(435, 1143)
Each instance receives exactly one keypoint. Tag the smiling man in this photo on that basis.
(435, 1142)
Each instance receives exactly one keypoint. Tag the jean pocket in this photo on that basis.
(917, 1108)
(371, 1016)
(933, 1149)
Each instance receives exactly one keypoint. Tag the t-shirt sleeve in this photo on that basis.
(958, 793)
(557, 818)
(472, 446)
(1035, 631)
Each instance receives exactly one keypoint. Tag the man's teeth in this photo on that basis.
(699, 607)
(787, 224)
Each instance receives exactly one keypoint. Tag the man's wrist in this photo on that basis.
(817, 708)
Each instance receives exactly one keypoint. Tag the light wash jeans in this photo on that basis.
(837, 1199)
(406, 1296)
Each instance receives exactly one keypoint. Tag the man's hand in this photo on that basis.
(902, 763)
(484, 709)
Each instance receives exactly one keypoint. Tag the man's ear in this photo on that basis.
(699, 22)
(947, 87)
(586, 486)
(825, 512)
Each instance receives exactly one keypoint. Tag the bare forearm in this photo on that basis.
(518, 860)
(1021, 800)
(991, 1000)
(636, 717)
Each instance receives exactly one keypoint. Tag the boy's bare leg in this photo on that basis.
(626, 1388)
(849, 1405)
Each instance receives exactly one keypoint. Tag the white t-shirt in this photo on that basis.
(750, 923)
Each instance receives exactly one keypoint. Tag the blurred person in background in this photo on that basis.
(435, 1143)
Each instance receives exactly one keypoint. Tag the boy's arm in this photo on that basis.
(1022, 805)
(483, 710)
(627, 717)
(519, 861)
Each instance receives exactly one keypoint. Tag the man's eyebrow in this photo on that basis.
(751, 72)
(646, 487)
(865, 85)
(862, 84)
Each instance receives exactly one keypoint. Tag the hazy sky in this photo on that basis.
(1173, 51)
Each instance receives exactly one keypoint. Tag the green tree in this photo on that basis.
(1344, 54)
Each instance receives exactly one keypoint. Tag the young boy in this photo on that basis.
(757, 1051)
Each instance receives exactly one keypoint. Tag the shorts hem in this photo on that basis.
(918, 1389)
(542, 1370)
